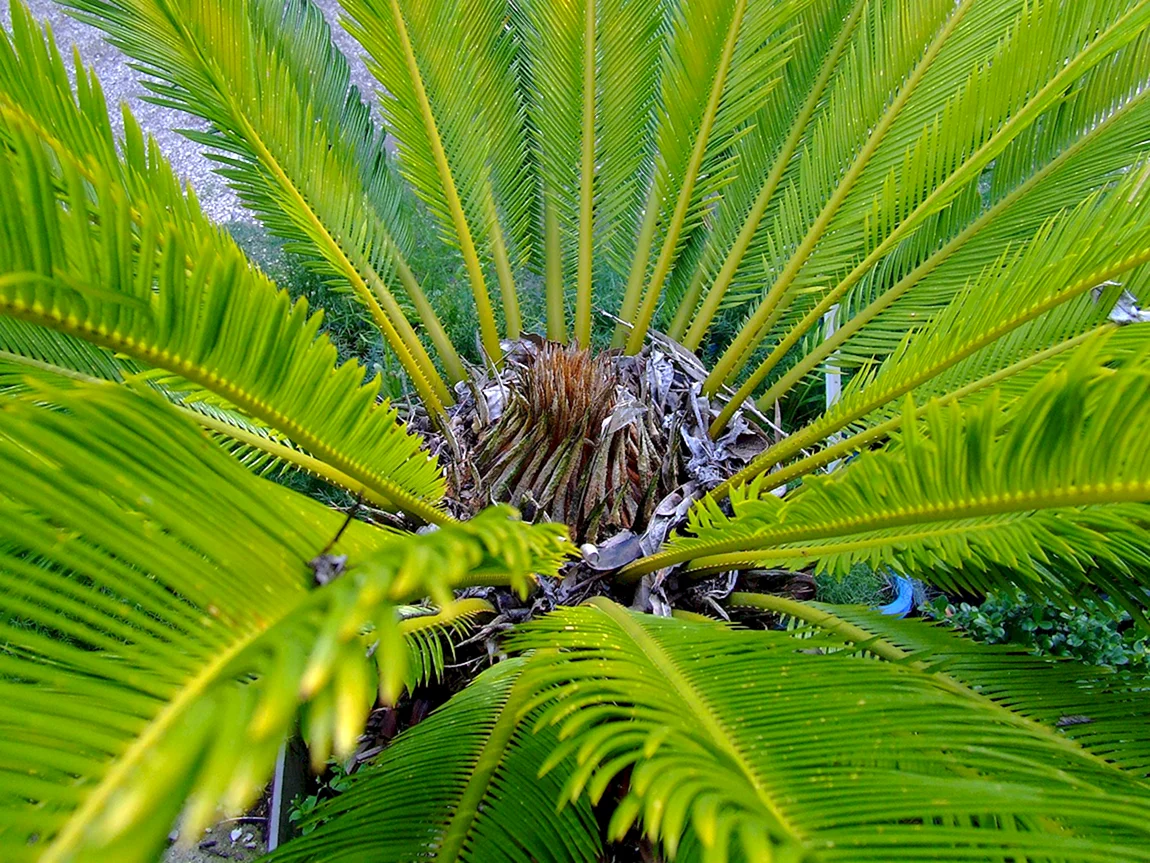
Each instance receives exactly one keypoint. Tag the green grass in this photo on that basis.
(861, 586)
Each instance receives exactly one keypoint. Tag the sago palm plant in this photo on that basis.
(758, 286)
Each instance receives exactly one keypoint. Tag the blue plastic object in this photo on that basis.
(904, 598)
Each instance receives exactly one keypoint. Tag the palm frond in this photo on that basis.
(462, 785)
(1099, 133)
(629, 46)
(590, 71)
(722, 60)
(1010, 366)
(30, 351)
(444, 77)
(916, 180)
(248, 441)
(986, 373)
(427, 631)
(1058, 475)
(23, 341)
(763, 156)
(1104, 238)
(295, 140)
(753, 739)
(178, 620)
(859, 111)
(1100, 709)
(156, 282)
(1006, 369)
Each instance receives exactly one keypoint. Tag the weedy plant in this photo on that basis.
(940, 204)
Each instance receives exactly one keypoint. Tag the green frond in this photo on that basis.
(253, 444)
(755, 740)
(28, 350)
(722, 60)
(461, 785)
(1010, 366)
(295, 140)
(157, 283)
(984, 374)
(764, 153)
(1100, 709)
(858, 112)
(1103, 239)
(159, 595)
(553, 40)
(24, 341)
(427, 631)
(167, 574)
(1001, 71)
(1056, 475)
(1099, 134)
(630, 41)
(447, 79)
(250, 442)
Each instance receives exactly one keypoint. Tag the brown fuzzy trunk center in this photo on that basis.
(603, 443)
(572, 443)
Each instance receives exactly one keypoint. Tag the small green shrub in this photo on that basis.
(1100, 636)
(333, 783)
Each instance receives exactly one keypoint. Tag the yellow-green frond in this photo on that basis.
(1057, 475)
(778, 750)
(158, 598)
(118, 266)
(447, 80)
(463, 785)
(1024, 82)
(296, 141)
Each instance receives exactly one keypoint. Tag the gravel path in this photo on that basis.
(121, 84)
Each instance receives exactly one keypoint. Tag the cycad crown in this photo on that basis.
(675, 225)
